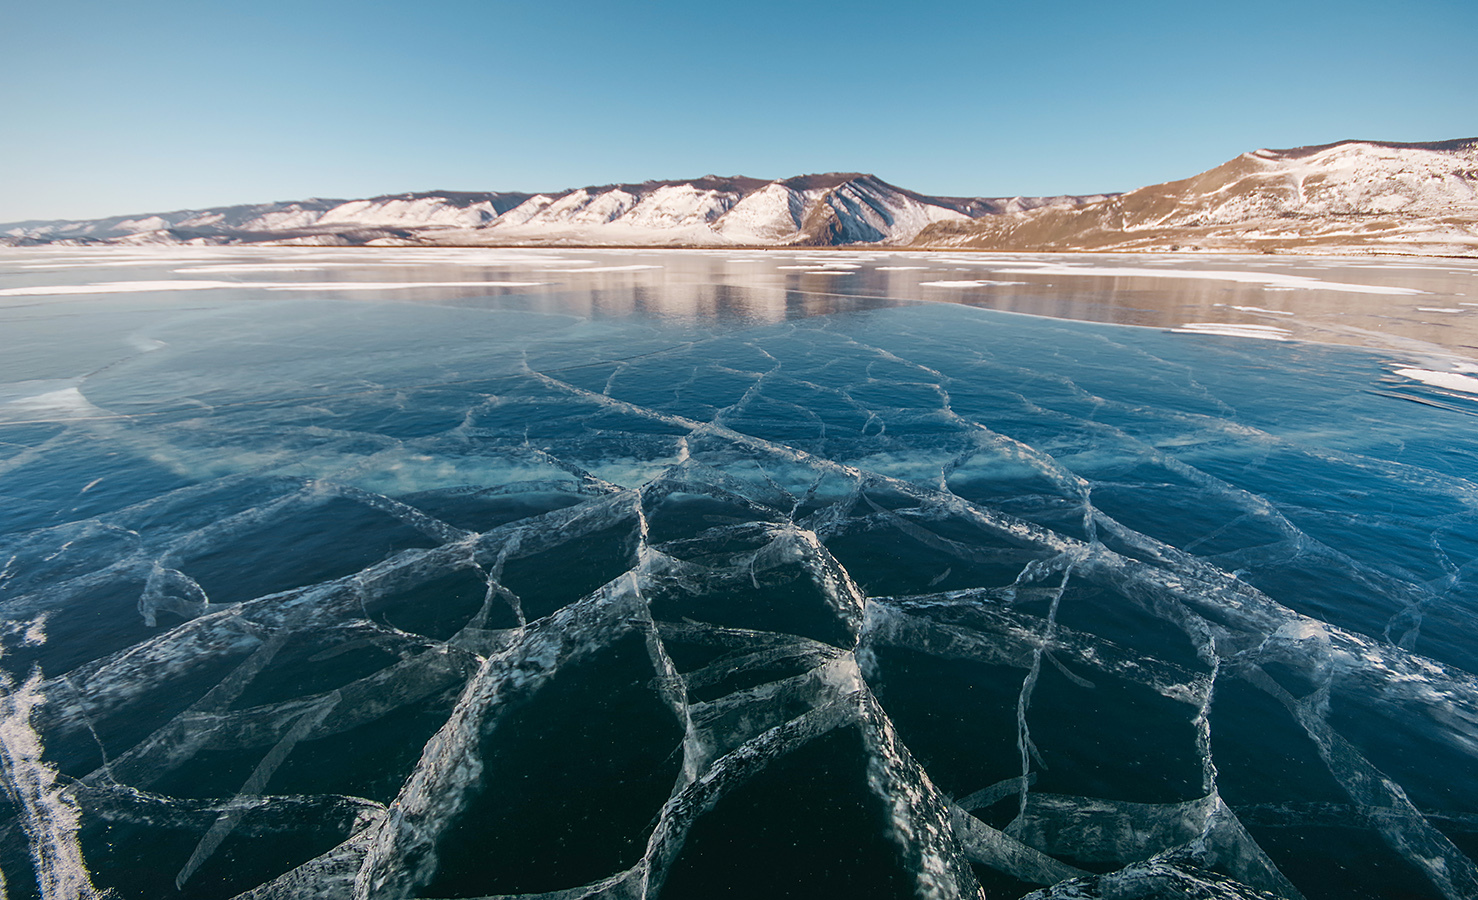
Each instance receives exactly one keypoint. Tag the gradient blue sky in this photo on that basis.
(121, 107)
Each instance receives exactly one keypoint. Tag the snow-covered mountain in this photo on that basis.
(301, 221)
(1351, 196)
(812, 210)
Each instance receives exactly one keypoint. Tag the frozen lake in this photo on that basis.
(358, 573)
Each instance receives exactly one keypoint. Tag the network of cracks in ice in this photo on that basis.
(780, 613)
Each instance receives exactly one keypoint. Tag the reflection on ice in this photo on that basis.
(493, 598)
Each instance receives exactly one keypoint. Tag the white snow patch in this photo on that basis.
(256, 267)
(1261, 332)
(1451, 381)
(772, 213)
(966, 284)
(679, 206)
(383, 285)
(1259, 309)
(134, 287)
(25, 401)
(146, 345)
(115, 287)
(1270, 279)
(632, 268)
(47, 812)
(412, 213)
(110, 261)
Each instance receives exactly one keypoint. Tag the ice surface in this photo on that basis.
(623, 589)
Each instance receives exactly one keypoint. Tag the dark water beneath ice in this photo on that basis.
(692, 575)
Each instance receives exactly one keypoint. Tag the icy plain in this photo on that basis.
(468, 573)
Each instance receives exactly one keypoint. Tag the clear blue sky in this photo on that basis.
(115, 107)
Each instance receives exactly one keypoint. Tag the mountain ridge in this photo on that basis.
(806, 210)
(1349, 196)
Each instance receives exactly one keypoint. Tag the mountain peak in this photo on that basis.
(824, 181)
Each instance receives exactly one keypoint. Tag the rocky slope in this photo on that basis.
(1347, 197)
